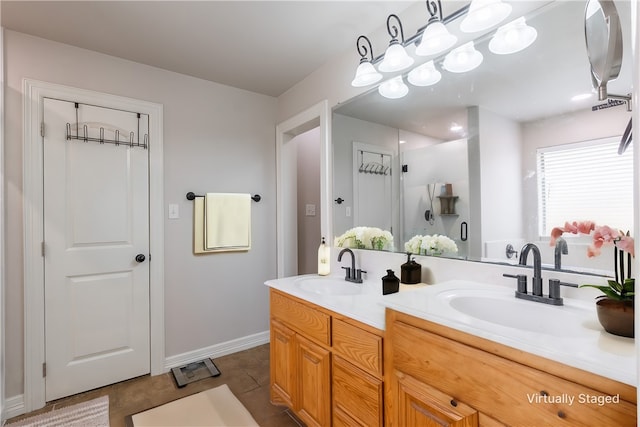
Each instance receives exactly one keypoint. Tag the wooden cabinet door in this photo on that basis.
(355, 394)
(283, 364)
(313, 403)
(424, 406)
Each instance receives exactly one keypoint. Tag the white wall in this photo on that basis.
(308, 149)
(216, 138)
(500, 147)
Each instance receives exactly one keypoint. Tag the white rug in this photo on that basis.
(94, 413)
(214, 407)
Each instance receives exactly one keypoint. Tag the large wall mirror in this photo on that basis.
(464, 157)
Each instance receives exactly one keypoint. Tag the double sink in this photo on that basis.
(468, 302)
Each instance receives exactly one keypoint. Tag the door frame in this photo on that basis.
(33, 189)
(318, 115)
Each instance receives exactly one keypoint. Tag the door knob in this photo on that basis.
(140, 258)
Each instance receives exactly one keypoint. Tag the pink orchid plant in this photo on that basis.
(623, 287)
(603, 235)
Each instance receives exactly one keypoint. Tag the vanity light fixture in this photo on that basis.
(433, 39)
(435, 36)
(395, 57)
(393, 88)
(424, 75)
(513, 37)
(462, 59)
(366, 73)
(484, 14)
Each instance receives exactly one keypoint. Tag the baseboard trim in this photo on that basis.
(14, 406)
(217, 350)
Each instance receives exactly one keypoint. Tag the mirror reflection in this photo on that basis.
(495, 157)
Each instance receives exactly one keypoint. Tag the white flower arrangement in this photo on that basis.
(365, 238)
(431, 245)
(413, 245)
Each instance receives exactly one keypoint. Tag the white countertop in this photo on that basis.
(581, 342)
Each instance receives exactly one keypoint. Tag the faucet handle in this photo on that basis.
(554, 288)
(359, 274)
(348, 272)
(522, 282)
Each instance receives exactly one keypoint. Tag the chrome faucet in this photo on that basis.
(352, 274)
(537, 266)
(561, 249)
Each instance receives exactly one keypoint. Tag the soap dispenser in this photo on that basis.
(390, 283)
(324, 255)
(410, 271)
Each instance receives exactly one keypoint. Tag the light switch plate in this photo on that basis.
(174, 211)
(310, 210)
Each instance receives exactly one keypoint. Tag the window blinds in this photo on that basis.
(585, 181)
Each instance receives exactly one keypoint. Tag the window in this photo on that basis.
(585, 181)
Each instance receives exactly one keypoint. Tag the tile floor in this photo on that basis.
(246, 373)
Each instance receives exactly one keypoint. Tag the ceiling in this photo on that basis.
(261, 46)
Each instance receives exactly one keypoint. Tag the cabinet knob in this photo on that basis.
(454, 403)
(561, 414)
(543, 393)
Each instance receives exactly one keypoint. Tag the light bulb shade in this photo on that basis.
(435, 39)
(393, 88)
(513, 37)
(424, 75)
(366, 75)
(462, 59)
(484, 14)
(395, 58)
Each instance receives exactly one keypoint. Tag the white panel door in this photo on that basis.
(96, 221)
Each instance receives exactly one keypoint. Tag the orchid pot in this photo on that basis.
(615, 307)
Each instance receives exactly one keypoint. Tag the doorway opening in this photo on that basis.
(312, 124)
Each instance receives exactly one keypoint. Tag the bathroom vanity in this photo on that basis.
(437, 373)
(345, 355)
(324, 366)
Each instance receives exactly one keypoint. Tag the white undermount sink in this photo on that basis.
(328, 286)
(502, 308)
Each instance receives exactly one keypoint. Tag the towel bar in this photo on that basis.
(191, 196)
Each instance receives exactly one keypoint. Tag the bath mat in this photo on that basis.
(214, 407)
(195, 371)
(94, 413)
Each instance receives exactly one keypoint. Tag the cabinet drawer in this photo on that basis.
(524, 396)
(355, 394)
(360, 347)
(307, 320)
(422, 405)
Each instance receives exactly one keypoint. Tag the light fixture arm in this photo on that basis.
(434, 7)
(393, 29)
(363, 44)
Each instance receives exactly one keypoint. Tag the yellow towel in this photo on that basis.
(227, 221)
